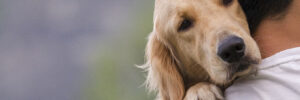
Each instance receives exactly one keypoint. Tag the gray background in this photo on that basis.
(73, 49)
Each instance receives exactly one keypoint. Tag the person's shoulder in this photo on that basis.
(243, 90)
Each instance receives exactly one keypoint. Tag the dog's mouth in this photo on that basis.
(244, 66)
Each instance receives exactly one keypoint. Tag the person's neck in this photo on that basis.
(275, 35)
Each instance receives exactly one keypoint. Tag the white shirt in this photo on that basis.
(278, 78)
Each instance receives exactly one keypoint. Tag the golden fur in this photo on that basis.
(183, 64)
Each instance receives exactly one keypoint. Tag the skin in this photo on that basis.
(275, 35)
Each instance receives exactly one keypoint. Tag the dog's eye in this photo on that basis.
(227, 2)
(185, 24)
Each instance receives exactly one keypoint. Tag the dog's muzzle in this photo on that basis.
(232, 50)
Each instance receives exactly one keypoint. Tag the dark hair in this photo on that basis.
(258, 10)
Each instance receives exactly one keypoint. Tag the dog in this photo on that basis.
(197, 48)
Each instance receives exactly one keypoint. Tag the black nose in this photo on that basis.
(231, 49)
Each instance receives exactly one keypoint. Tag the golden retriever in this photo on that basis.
(198, 47)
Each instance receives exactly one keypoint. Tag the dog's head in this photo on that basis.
(192, 37)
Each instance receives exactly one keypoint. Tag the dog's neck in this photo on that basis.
(275, 35)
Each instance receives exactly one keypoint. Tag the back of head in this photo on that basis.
(258, 10)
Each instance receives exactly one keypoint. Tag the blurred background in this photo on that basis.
(73, 49)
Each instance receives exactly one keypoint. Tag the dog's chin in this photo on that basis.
(245, 67)
(250, 68)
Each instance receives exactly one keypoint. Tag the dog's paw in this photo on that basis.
(204, 91)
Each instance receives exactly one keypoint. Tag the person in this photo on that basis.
(275, 25)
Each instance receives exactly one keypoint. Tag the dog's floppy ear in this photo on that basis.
(163, 74)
